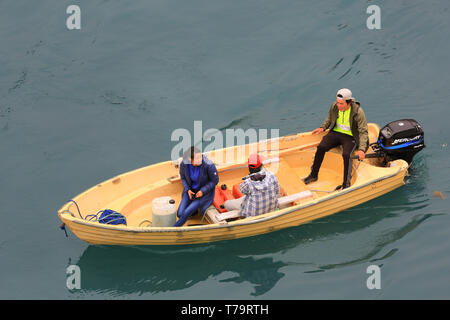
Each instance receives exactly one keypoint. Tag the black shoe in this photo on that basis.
(310, 179)
(342, 186)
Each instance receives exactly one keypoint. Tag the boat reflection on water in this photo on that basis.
(124, 270)
(121, 270)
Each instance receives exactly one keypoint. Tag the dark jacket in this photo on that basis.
(208, 178)
(358, 124)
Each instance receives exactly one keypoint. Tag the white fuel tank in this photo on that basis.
(164, 212)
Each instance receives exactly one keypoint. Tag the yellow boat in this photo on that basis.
(132, 193)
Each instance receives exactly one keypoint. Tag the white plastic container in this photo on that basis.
(164, 212)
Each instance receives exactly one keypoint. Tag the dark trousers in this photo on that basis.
(331, 140)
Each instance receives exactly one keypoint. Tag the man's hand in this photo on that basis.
(318, 130)
(361, 155)
(199, 194)
(191, 194)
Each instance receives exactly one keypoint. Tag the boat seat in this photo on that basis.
(289, 180)
(229, 215)
(284, 202)
(211, 214)
(214, 216)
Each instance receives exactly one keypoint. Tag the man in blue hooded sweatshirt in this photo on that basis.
(199, 178)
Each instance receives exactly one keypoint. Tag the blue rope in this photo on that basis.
(77, 207)
(63, 226)
(95, 218)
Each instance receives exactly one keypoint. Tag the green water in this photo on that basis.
(78, 107)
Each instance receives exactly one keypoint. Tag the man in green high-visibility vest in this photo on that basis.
(348, 127)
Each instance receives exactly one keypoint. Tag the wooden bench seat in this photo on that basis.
(214, 216)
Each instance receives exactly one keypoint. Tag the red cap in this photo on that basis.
(255, 161)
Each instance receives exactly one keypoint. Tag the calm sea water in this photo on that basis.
(80, 106)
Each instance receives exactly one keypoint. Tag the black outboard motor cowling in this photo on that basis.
(401, 139)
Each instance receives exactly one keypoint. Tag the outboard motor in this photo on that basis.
(400, 139)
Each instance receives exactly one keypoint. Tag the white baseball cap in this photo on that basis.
(345, 94)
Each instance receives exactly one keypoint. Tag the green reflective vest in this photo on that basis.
(343, 122)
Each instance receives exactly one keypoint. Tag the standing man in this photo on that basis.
(348, 127)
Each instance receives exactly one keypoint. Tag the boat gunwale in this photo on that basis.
(243, 222)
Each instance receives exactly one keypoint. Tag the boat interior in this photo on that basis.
(291, 163)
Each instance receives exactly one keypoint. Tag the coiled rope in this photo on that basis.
(110, 217)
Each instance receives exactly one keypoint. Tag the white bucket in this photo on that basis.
(163, 212)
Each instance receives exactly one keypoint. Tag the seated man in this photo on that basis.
(199, 178)
(260, 189)
(348, 126)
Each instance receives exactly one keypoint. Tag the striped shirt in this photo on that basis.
(260, 196)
